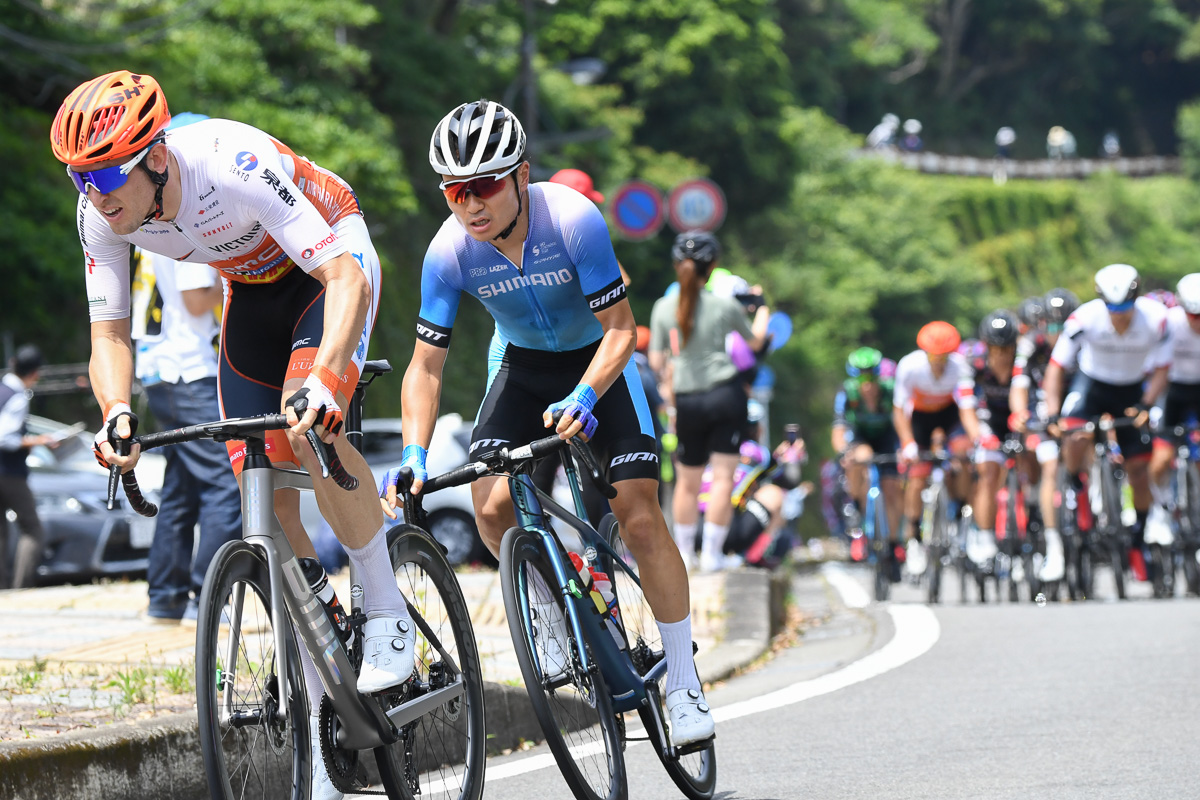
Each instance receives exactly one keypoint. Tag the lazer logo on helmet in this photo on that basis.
(536, 279)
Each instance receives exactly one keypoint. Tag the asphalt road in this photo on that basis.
(902, 700)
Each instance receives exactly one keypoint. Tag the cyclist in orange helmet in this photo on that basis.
(302, 296)
(934, 390)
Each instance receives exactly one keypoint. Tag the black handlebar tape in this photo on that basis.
(457, 477)
(137, 501)
(593, 467)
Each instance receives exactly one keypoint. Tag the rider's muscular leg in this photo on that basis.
(985, 495)
(1160, 462)
(354, 515)
(912, 504)
(493, 511)
(1046, 490)
(664, 578)
(1139, 481)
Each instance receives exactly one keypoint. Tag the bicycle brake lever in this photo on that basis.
(315, 443)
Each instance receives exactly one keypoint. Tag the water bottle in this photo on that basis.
(318, 581)
(586, 576)
(613, 614)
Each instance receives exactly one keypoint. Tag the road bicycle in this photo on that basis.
(938, 525)
(1019, 540)
(1107, 540)
(256, 608)
(881, 547)
(1185, 510)
(585, 669)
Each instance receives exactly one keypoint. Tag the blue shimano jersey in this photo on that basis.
(568, 273)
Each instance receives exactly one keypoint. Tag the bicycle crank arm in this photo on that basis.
(415, 709)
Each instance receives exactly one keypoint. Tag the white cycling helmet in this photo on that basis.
(478, 137)
(1187, 293)
(1117, 284)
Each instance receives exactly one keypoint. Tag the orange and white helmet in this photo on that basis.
(111, 117)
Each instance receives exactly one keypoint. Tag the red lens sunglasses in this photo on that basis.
(483, 187)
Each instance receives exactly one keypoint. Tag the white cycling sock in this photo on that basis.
(312, 678)
(373, 568)
(685, 537)
(714, 539)
(677, 645)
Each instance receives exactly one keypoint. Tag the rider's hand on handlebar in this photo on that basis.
(1017, 420)
(576, 409)
(1140, 413)
(314, 406)
(412, 457)
(116, 426)
(909, 452)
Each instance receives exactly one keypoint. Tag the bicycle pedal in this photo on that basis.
(694, 747)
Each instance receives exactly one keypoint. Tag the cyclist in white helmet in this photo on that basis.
(1116, 340)
(539, 258)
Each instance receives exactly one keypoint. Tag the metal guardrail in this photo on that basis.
(1043, 169)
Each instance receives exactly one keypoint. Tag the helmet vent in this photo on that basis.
(103, 123)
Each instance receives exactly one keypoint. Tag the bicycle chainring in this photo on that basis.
(345, 771)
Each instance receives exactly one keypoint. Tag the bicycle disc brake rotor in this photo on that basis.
(345, 771)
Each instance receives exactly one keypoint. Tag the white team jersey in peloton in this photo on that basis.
(917, 389)
(250, 207)
(1185, 348)
(1090, 341)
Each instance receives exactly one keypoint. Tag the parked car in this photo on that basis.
(83, 538)
(451, 513)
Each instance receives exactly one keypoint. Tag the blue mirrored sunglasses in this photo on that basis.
(107, 179)
(1117, 308)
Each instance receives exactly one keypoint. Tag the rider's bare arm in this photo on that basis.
(616, 348)
(421, 393)
(1052, 388)
(111, 373)
(1155, 386)
(347, 299)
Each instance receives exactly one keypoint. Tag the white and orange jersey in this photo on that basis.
(917, 389)
(1090, 342)
(250, 207)
(1185, 348)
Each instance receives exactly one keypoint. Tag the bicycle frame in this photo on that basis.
(629, 689)
(364, 725)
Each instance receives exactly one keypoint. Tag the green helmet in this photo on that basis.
(862, 361)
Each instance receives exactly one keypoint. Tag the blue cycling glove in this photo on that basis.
(578, 404)
(413, 456)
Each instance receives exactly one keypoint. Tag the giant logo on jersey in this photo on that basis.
(557, 278)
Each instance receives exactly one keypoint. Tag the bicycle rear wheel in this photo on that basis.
(694, 773)
(441, 754)
(573, 708)
(251, 750)
(939, 541)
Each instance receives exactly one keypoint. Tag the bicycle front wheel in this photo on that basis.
(573, 707)
(253, 722)
(694, 773)
(441, 754)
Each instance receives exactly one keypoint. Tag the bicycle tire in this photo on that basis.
(264, 759)
(1189, 524)
(442, 754)
(1160, 563)
(1013, 548)
(695, 773)
(576, 707)
(937, 544)
(1110, 501)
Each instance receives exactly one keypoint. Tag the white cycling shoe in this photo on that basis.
(322, 785)
(550, 633)
(691, 718)
(1054, 566)
(914, 558)
(981, 546)
(1158, 527)
(388, 644)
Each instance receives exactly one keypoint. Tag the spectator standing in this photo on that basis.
(710, 403)
(911, 142)
(177, 365)
(1005, 137)
(16, 388)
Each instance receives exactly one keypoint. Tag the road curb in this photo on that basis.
(159, 759)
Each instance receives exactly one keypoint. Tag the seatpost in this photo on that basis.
(354, 433)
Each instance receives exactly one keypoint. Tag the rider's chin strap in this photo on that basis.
(504, 233)
(160, 180)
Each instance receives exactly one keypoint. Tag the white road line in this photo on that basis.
(917, 630)
(852, 592)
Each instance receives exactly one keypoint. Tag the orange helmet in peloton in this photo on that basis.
(115, 116)
(938, 338)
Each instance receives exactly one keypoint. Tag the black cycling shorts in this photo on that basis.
(1091, 398)
(527, 381)
(1182, 403)
(710, 422)
(924, 423)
